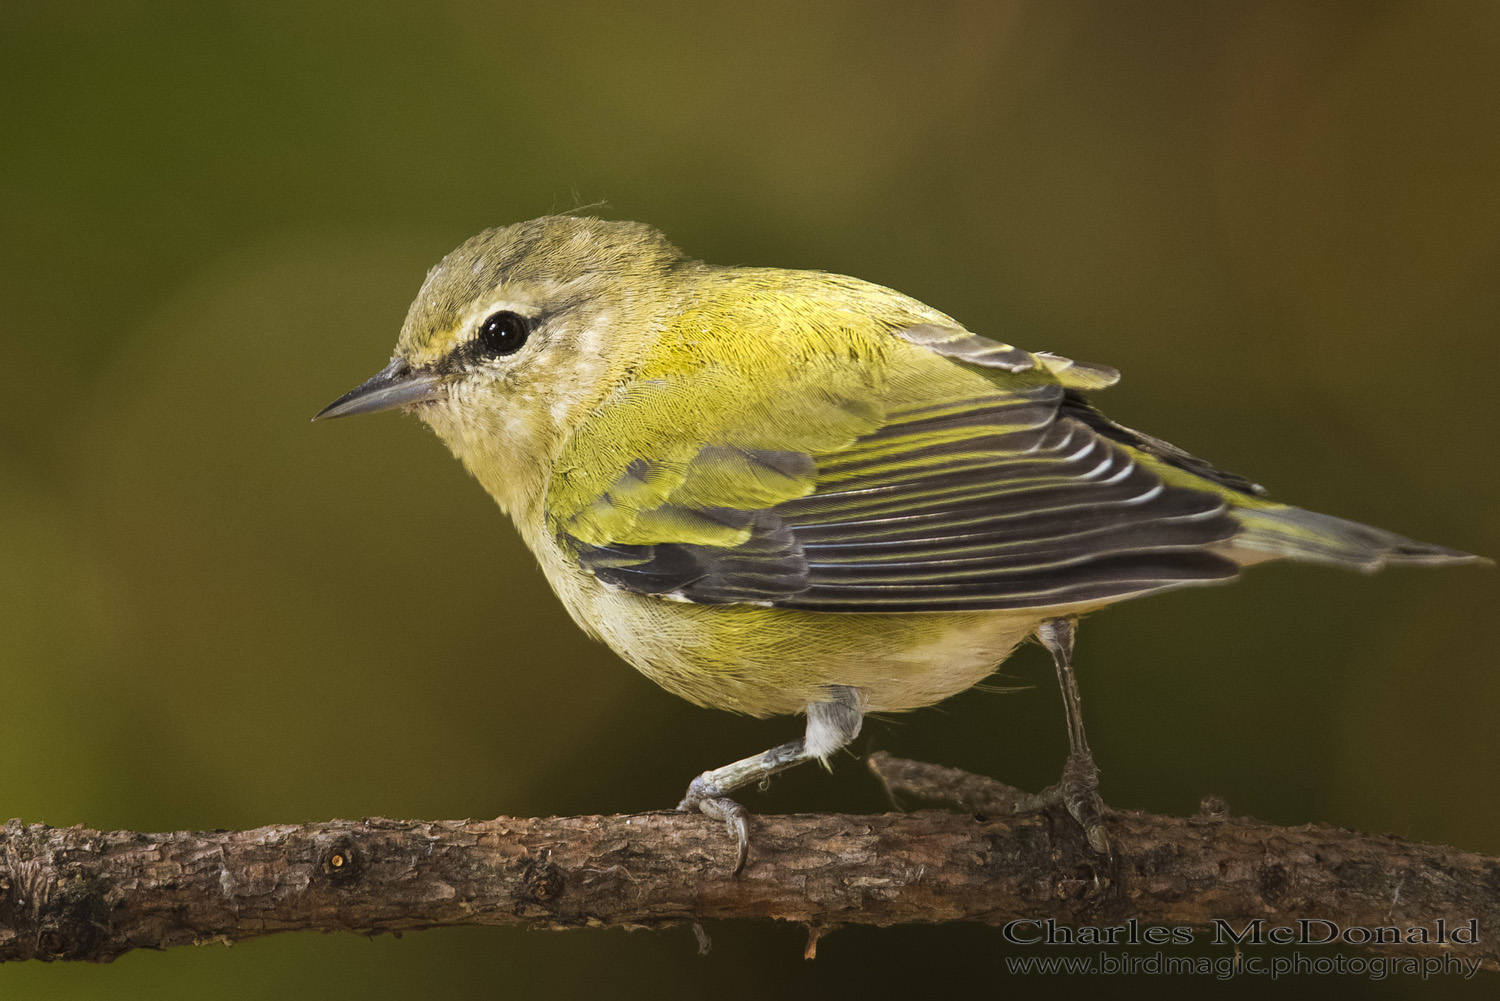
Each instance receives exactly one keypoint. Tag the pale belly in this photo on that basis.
(767, 661)
(772, 661)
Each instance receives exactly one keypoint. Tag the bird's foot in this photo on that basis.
(704, 797)
(1078, 789)
(1079, 792)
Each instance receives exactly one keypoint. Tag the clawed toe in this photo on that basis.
(1079, 791)
(736, 821)
(706, 799)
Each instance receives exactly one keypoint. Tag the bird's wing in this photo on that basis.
(932, 469)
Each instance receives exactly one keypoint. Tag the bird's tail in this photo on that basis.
(1280, 531)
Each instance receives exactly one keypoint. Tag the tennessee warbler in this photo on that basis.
(780, 492)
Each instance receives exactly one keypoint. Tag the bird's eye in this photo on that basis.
(503, 333)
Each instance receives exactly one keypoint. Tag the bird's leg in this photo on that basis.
(830, 725)
(1079, 787)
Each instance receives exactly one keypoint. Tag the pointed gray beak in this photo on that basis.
(396, 385)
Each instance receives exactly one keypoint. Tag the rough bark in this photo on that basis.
(73, 893)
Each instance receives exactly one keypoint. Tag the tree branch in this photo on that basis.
(75, 893)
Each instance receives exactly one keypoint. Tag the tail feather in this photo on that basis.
(1295, 533)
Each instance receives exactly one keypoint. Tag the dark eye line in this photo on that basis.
(473, 350)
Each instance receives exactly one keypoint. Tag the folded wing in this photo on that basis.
(967, 478)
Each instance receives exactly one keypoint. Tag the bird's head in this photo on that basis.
(517, 334)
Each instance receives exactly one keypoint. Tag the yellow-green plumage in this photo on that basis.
(735, 370)
(770, 490)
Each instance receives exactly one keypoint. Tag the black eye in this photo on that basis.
(503, 333)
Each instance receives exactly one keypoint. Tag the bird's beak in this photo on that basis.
(396, 385)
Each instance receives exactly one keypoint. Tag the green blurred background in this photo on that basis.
(1281, 220)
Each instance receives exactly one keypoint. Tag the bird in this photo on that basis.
(792, 492)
